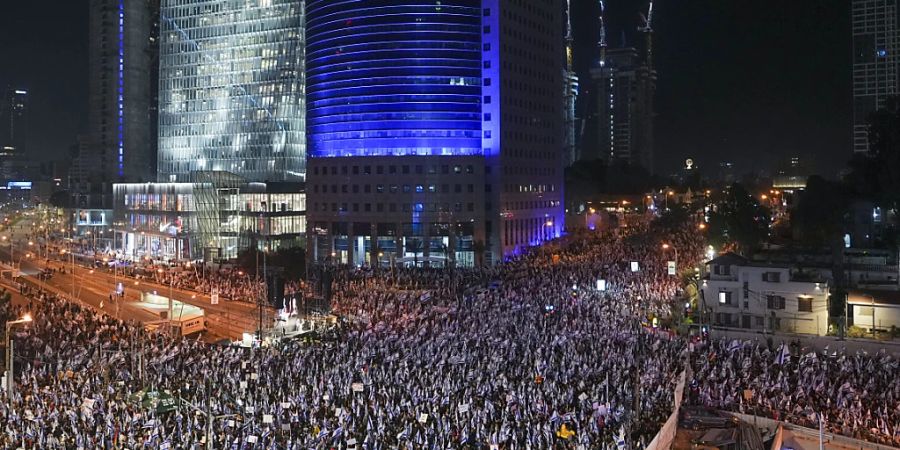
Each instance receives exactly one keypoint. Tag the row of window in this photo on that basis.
(773, 302)
(392, 229)
(396, 189)
(404, 169)
(528, 231)
(396, 207)
(527, 205)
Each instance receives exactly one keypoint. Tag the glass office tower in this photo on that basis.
(435, 130)
(231, 89)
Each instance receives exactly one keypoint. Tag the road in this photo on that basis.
(93, 287)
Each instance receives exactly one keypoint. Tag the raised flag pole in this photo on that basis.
(821, 433)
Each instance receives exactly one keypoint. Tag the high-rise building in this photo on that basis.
(436, 131)
(120, 144)
(570, 93)
(876, 55)
(13, 131)
(625, 86)
(231, 89)
(231, 133)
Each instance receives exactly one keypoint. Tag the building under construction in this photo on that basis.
(625, 84)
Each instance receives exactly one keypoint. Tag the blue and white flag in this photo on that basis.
(784, 355)
(620, 439)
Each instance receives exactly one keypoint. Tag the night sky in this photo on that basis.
(751, 83)
(43, 49)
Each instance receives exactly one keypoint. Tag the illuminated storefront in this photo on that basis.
(192, 221)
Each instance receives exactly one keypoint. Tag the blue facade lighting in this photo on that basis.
(394, 79)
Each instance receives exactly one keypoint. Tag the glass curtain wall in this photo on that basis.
(232, 89)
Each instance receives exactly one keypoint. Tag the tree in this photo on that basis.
(292, 260)
(738, 221)
(585, 180)
(820, 218)
(821, 214)
(675, 218)
(884, 152)
(416, 245)
(479, 248)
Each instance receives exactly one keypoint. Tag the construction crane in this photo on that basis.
(647, 29)
(602, 43)
(570, 39)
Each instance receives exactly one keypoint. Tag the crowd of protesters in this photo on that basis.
(533, 357)
(550, 350)
(856, 395)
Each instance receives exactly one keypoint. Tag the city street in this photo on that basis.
(95, 286)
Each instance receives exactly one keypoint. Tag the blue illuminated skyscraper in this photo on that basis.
(435, 129)
(388, 80)
(231, 89)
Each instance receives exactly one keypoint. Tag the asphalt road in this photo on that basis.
(93, 287)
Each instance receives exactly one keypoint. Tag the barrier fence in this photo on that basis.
(666, 435)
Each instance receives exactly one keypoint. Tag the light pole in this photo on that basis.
(873, 316)
(9, 355)
(668, 246)
(169, 315)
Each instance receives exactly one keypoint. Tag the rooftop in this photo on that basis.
(879, 297)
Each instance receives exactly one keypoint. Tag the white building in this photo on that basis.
(872, 308)
(863, 268)
(738, 293)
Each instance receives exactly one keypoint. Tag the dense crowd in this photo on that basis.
(854, 395)
(229, 283)
(530, 356)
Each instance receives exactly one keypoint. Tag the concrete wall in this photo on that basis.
(886, 316)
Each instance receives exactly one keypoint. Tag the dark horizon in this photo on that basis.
(44, 51)
(752, 84)
(749, 84)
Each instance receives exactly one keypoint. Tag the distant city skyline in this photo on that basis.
(727, 85)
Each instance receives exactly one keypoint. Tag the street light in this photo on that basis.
(9, 355)
(169, 315)
(666, 247)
